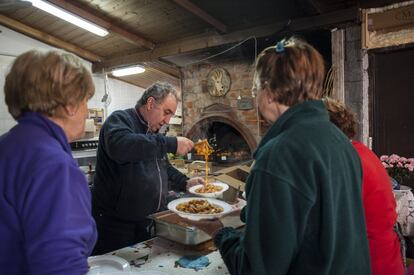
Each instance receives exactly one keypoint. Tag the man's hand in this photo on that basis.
(184, 145)
(195, 181)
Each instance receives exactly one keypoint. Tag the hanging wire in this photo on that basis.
(106, 99)
(227, 50)
(328, 84)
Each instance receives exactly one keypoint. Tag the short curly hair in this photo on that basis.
(341, 116)
(41, 82)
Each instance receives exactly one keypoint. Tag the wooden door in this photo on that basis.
(392, 101)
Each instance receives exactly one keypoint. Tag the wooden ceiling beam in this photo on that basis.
(183, 46)
(101, 20)
(203, 42)
(158, 71)
(164, 69)
(202, 15)
(48, 39)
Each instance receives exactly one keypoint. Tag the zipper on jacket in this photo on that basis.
(160, 179)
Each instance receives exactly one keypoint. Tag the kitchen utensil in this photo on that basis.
(170, 226)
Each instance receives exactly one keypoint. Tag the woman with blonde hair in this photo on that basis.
(304, 212)
(45, 211)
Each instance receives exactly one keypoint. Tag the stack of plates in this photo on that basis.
(107, 264)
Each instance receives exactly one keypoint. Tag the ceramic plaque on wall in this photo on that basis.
(218, 82)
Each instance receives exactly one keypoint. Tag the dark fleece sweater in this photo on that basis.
(304, 213)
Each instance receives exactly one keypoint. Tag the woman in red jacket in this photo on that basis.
(377, 196)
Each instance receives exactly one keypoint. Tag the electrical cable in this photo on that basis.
(226, 50)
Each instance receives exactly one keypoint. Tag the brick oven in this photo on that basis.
(231, 140)
(232, 128)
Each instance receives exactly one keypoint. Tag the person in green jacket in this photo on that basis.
(304, 213)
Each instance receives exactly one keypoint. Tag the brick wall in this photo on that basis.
(196, 97)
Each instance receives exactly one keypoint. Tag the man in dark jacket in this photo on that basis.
(132, 169)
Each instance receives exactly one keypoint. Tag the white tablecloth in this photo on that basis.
(405, 211)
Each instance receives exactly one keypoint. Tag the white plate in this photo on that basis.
(107, 264)
(224, 186)
(151, 272)
(147, 272)
(226, 208)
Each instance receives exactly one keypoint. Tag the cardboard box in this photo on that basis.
(198, 168)
(234, 176)
(178, 163)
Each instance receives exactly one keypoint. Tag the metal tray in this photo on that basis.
(172, 227)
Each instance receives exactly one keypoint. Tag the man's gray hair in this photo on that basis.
(158, 90)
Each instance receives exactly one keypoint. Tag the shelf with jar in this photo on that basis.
(95, 118)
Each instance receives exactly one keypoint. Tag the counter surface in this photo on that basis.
(161, 254)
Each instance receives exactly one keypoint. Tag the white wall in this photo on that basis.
(123, 95)
(6, 120)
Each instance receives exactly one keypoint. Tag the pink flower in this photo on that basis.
(409, 167)
(394, 156)
(399, 168)
(384, 158)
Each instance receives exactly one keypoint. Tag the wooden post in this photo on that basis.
(338, 64)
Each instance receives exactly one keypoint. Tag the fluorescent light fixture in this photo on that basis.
(69, 17)
(128, 71)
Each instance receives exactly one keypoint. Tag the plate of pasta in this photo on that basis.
(209, 190)
(196, 208)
